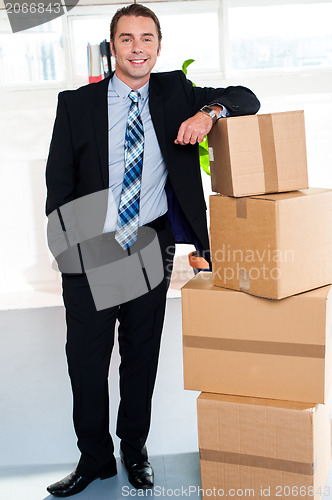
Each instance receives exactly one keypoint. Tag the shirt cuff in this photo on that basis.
(223, 112)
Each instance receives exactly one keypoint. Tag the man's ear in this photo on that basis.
(112, 48)
(159, 49)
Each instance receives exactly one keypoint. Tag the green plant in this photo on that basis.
(203, 146)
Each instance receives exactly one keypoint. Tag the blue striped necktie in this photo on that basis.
(128, 214)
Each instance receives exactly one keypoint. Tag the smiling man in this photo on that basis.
(134, 134)
(136, 46)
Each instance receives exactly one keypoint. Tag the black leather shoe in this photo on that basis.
(140, 474)
(74, 483)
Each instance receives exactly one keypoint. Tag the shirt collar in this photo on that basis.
(123, 90)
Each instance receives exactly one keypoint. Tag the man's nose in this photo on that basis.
(136, 47)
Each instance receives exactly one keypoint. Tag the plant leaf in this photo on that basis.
(204, 147)
(205, 163)
(204, 159)
(186, 64)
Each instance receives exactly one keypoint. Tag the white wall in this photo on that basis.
(26, 122)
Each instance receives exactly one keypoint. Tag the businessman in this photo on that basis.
(150, 123)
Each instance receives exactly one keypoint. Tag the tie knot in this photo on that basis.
(134, 95)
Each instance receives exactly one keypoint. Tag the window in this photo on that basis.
(32, 56)
(189, 33)
(280, 37)
(226, 38)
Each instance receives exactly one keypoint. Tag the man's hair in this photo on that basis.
(135, 9)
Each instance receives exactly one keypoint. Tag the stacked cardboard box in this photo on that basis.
(258, 154)
(264, 366)
(236, 343)
(251, 447)
(274, 245)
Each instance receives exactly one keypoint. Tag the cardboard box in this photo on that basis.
(235, 343)
(273, 245)
(258, 154)
(258, 448)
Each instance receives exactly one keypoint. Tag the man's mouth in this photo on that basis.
(137, 62)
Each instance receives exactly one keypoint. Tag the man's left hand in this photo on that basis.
(194, 129)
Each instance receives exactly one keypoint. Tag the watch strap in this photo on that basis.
(211, 112)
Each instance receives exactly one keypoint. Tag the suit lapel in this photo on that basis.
(100, 117)
(157, 113)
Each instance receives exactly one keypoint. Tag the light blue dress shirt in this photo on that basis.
(153, 199)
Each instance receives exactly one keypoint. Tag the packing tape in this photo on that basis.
(244, 281)
(256, 346)
(241, 208)
(266, 134)
(257, 461)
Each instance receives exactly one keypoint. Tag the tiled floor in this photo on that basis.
(174, 475)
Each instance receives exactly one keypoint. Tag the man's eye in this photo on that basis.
(147, 39)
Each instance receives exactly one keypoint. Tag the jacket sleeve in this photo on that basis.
(60, 181)
(60, 167)
(237, 99)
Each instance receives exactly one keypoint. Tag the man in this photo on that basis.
(87, 155)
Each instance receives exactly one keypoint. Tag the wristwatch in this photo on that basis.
(211, 112)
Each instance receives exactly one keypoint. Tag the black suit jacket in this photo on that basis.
(78, 159)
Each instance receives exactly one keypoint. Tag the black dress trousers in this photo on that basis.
(90, 339)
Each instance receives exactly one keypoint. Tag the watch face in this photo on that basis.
(211, 112)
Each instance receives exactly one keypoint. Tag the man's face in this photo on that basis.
(136, 48)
